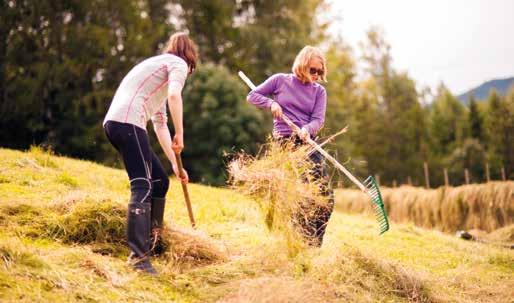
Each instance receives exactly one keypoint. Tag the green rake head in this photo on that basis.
(378, 204)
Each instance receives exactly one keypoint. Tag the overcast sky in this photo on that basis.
(460, 42)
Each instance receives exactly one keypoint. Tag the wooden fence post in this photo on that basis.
(504, 178)
(427, 178)
(487, 175)
(446, 179)
(466, 175)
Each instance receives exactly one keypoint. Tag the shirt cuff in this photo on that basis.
(306, 126)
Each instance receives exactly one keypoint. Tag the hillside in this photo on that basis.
(482, 91)
(62, 230)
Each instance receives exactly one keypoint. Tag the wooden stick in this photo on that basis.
(342, 131)
(427, 178)
(466, 175)
(446, 179)
(186, 192)
(504, 177)
(487, 175)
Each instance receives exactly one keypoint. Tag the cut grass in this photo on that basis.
(487, 206)
(65, 244)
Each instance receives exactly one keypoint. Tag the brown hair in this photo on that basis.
(301, 63)
(182, 46)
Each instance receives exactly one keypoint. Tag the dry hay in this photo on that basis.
(478, 206)
(191, 248)
(504, 234)
(280, 182)
(102, 226)
(280, 290)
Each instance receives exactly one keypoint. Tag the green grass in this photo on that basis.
(62, 227)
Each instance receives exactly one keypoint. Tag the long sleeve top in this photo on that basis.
(303, 103)
(143, 92)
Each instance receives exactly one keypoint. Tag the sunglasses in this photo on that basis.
(314, 71)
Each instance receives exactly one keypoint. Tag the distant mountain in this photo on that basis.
(481, 92)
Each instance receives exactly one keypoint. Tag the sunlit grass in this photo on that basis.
(62, 242)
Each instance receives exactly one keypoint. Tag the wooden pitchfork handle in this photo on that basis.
(184, 189)
(311, 142)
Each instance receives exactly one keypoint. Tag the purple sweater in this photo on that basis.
(303, 104)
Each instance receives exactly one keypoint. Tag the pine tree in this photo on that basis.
(475, 120)
(399, 123)
(447, 122)
(500, 130)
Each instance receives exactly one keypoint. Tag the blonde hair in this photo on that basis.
(301, 63)
(182, 46)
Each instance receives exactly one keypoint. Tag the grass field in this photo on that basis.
(62, 240)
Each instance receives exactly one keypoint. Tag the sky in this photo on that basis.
(462, 43)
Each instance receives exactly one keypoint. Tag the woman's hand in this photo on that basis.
(177, 143)
(184, 178)
(304, 134)
(276, 110)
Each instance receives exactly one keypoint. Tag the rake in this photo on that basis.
(370, 186)
(186, 192)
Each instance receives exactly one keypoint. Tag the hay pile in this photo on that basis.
(486, 206)
(279, 289)
(101, 225)
(188, 248)
(279, 180)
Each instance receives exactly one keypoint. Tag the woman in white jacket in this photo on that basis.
(142, 96)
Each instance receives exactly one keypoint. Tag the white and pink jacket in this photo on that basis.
(143, 92)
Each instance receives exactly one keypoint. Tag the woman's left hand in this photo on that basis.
(304, 134)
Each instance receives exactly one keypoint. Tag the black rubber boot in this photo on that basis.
(141, 264)
(322, 216)
(305, 223)
(159, 246)
(138, 232)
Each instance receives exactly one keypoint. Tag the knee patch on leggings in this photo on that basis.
(141, 189)
(160, 187)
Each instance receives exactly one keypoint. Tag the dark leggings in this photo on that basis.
(147, 177)
(314, 224)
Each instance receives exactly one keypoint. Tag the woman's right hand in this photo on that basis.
(177, 143)
(183, 177)
(276, 110)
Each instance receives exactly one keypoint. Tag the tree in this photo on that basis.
(63, 62)
(259, 37)
(500, 130)
(341, 97)
(340, 85)
(447, 122)
(475, 120)
(393, 120)
(470, 155)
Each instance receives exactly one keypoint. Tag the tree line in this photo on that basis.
(61, 62)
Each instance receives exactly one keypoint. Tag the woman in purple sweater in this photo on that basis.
(299, 97)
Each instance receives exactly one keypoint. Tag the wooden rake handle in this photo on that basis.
(186, 192)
